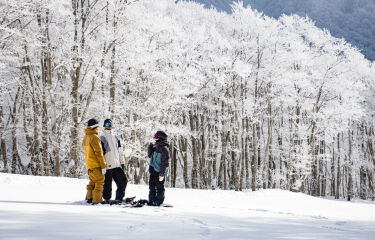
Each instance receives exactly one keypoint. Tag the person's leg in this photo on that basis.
(98, 179)
(160, 191)
(152, 186)
(121, 182)
(90, 186)
(107, 192)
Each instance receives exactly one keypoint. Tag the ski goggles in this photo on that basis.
(156, 136)
(108, 124)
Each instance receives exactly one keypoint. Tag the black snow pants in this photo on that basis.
(118, 175)
(157, 189)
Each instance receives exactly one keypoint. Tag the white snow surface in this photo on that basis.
(53, 208)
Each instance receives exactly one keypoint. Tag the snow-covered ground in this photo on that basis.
(53, 208)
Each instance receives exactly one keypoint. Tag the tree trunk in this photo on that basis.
(237, 155)
(254, 164)
(247, 159)
(45, 128)
(333, 171)
(194, 172)
(173, 168)
(46, 82)
(2, 131)
(210, 156)
(183, 149)
(324, 172)
(202, 165)
(316, 190)
(363, 183)
(14, 132)
(76, 73)
(112, 82)
(174, 159)
(372, 185)
(350, 183)
(222, 169)
(338, 185)
(243, 155)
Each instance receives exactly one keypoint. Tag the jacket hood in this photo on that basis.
(161, 144)
(89, 130)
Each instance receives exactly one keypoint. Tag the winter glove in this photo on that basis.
(123, 168)
(161, 178)
(104, 170)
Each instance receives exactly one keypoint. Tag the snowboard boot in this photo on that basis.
(130, 200)
(137, 205)
(154, 203)
(89, 200)
(118, 198)
(143, 202)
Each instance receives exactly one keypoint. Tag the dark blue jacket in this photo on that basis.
(159, 158)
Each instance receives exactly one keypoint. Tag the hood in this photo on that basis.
(162, 144)
(88, 130)
(107, 134)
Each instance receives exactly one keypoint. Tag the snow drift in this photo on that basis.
(53, 208)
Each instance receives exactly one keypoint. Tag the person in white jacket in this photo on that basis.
(115, 163)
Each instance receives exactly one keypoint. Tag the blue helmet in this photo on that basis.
(107, 123)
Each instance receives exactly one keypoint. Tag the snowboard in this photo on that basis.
(142, 205)
(144, 202)
(130, 201)
(137, 204)
(163, 205)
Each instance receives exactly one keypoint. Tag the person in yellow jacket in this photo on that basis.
(95, 163)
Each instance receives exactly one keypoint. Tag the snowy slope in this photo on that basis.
(353, 20)
(52, 208)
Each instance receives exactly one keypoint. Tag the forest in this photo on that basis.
(353, 20)
(248, 101)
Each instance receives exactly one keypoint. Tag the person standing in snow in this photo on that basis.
(159, 166)
(115, 163)
(95, 163)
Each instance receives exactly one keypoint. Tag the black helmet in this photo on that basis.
(161, 134)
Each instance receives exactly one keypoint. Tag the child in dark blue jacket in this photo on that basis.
(159, 166)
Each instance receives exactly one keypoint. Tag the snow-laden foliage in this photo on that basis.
(353, 20)
(247, 101)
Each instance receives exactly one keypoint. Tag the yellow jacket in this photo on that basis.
(92, 147)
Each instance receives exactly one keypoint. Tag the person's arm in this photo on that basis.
(120, 153)
(98, 151)
(164, 161)
(102, 139)
(150, 150)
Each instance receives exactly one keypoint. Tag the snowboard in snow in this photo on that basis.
(165, 205)
(141, 205)
(118, 202)
(161, 205)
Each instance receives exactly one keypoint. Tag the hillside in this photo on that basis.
(353, 20)
(53, 208)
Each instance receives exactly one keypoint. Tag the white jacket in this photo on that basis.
(112, 151)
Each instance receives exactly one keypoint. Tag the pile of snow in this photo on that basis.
(353, 20)
(53, 208)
